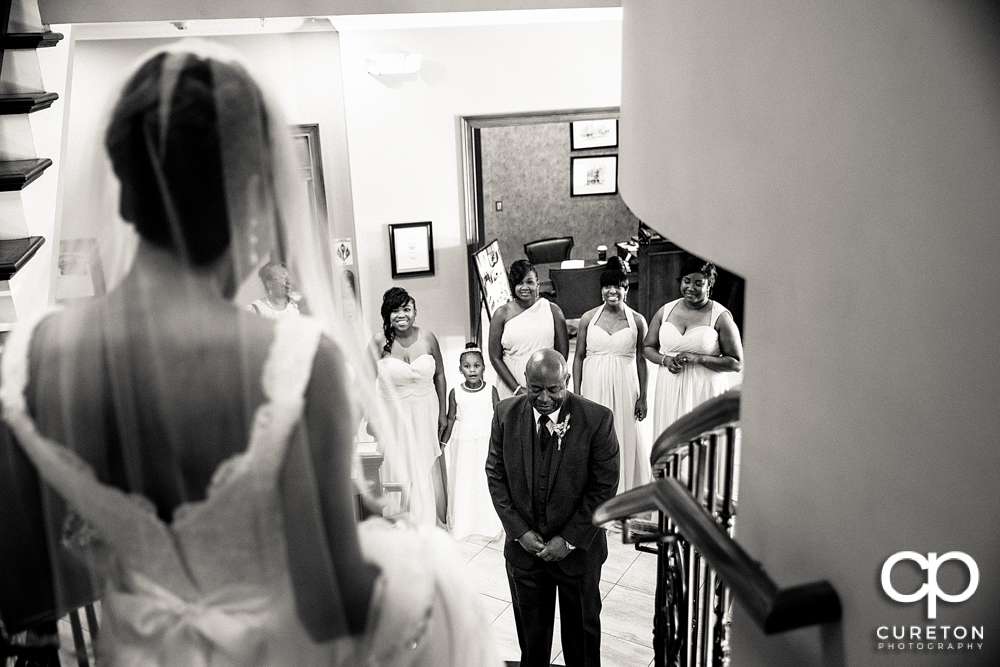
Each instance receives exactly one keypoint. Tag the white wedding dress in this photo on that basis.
(212, 587)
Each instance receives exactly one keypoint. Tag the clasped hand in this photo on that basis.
(553, 550)
(677, 363)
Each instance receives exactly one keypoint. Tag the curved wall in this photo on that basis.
(845, 159)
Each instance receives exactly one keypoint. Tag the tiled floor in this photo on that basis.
(627, 582)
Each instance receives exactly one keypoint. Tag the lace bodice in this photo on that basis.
(183, 556)
(212, 586)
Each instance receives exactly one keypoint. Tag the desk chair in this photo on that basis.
(546, 251)
(577, 290)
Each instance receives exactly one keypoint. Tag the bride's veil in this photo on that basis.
(79, 352)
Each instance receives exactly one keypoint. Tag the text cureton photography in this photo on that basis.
(938, 637)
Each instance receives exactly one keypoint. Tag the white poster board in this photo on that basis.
(492, 277)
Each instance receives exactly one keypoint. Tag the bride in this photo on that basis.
(196, 457)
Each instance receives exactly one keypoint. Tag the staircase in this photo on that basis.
(21, 93)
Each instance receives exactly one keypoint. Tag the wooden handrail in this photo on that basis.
(773, 609)
(711, 415)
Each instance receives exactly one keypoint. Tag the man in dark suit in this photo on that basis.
(553, 459)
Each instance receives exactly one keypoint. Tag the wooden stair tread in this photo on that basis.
(18, 103)
(14, 253)
(16, 174)
(30, 40)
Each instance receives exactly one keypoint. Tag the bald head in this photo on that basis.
(545, 374)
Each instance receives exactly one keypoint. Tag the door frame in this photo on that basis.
(472, 168)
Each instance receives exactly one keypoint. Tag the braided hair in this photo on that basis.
(393, 299)
(472, 348)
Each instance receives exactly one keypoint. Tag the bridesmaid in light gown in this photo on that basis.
(411, 387)
(696, 341)
(608, 343)
(523, 326)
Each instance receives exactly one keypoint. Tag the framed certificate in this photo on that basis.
(411, 248)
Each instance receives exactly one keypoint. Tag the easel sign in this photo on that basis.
(492, 277)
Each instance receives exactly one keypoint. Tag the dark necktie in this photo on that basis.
(543, 433)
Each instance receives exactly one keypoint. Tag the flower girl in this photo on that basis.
(470, 416)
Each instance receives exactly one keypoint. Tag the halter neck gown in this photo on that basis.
(611, 379)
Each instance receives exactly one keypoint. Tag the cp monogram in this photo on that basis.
(930, 590)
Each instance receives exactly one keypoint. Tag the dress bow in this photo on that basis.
(187, 632)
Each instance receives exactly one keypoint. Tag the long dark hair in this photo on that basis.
(393, 299)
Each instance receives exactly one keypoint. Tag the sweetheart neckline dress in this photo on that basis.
(411, 443)
(678, 394)
(212, 586)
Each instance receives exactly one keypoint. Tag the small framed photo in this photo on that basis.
(80, 272)
(601, 133)
(594, 175)
(411, 248)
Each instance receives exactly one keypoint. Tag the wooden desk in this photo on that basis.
(545, 287)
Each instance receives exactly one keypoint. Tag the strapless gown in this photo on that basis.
(412, 446)
(212, 587)
(610, 378)
(678, 394)
(523, 335)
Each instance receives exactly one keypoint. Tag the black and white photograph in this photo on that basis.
(601, 133)
(616, 333)
(596, 175)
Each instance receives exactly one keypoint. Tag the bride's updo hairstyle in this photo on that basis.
(191, 164)
(188, 140)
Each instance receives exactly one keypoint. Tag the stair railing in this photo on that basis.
(700, 566)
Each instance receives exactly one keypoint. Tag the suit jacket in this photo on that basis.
(583, 474)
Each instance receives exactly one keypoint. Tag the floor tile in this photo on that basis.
(497, 542)
(479, 540)
(617, 652)
(628, 614)
(468, 550)
(641, 575)
(492, 606)
(619, 560)
(488, 569)
(505, 634)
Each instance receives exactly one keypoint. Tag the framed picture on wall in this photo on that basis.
(411, 249)
(80, 272)
(593, 175)
(601, 133)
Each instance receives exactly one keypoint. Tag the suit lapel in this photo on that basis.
(564, 414)
(527, 432)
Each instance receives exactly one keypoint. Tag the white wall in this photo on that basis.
(403, 131)
(845, 158)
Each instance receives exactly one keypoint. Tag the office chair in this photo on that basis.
(577, 290)
(545, 251)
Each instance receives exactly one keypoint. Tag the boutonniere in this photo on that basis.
(560, 431)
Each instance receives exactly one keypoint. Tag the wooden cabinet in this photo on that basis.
(660, 263)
